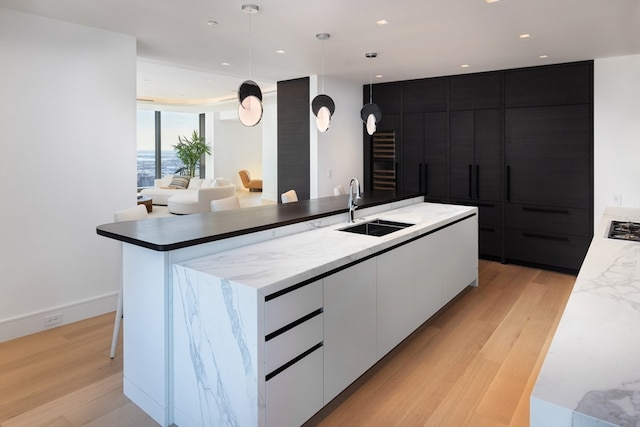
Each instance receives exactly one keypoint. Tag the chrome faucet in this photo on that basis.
(353, 198)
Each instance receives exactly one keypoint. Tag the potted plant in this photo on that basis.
(190, 151)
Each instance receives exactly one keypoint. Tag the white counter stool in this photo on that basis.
(225, 204)
(131, 214)
(289, 196)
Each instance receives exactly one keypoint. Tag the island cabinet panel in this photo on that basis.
(426, 257)
(424, 155)
(349, 326)
(459, 257)
(395, 293)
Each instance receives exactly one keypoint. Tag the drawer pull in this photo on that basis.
(292, 324)
(508, 183)
(477, 181)
(489, 229)
(546, 210)
(292, 361)
(546, 237)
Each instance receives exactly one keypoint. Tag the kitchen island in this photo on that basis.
(258, 255)
(591, 374)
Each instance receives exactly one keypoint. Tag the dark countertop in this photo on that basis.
(175, 232)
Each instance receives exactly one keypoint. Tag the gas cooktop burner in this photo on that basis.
(625, 230)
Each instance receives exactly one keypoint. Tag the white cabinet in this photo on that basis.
(294, 395)
(460, 262)
(427, 294)
(294, 355)
(349, 326)
(395, 288)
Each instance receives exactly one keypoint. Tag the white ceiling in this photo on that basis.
(180, 56)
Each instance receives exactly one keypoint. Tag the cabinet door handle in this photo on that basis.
(546, 237)
(546, 210)
(470, 181)
(477, 181)
(508, 183)
(420, 178)
(490, 229)
(426, 178)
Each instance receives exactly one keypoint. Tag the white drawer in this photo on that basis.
(291, 306)
(290, 344)
(295, 394)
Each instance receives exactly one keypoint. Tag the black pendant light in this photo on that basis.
(249, 93)
(322, 105)
(371, 113)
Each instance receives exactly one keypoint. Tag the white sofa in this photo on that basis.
(195, 198)
(161, 190)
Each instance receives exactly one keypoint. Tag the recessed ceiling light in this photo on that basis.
(378, 76)
(524, 36)
(465, 66)
(492, 1)
(212, 23)
(280, 51)
(543, 56)
(226, 64)
(382, 22)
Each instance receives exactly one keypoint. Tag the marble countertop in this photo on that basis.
(282, 262)
(591, 374)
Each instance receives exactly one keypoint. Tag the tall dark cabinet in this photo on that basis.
(518, 144)
(549, 164)
(475, 147)
(423, 150)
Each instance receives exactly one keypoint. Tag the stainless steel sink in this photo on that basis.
(376, 227)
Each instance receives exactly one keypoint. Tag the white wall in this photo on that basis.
(616, 133)
(337, 154)
(67, 162)
(236, 147)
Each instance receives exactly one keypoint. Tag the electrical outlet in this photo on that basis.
(617, 199)
(329, 173)
(54, 319)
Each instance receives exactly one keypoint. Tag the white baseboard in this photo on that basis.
(35, 322)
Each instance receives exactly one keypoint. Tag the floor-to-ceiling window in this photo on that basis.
(146, 139)
(158, 132)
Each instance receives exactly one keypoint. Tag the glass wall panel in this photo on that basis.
(172, 126)
(146, 148)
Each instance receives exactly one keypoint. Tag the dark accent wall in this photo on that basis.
(293, 137)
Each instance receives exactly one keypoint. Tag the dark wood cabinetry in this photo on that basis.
(548, 155)
(476, 170)
(424, 154)
(518, 144)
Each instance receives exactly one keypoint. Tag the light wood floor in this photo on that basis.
(473, 364)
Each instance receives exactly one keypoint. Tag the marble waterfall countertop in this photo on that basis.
(591, 374)
(282, 262)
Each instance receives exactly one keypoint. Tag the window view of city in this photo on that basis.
(170, 165)
(172, 125)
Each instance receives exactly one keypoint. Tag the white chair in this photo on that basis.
(339, 190)
(225, 204)
(289, 196)
(131, 214)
